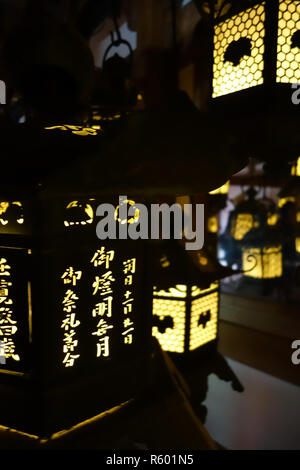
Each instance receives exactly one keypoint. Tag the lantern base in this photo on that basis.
(40, 411)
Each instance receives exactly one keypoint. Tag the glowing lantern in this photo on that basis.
(246, 215)
(75, 322)
(256, 47)
(262, 254)
(186, 301)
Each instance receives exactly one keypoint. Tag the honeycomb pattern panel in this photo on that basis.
(240, 39)
(172, 338)
(241, 225)
(204, 320)
(263, 264)
(288, 43)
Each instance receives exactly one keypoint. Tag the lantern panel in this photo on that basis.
(297, 244)
(170, 313)
(268, 262)
(241, 226)
(204, 317)
(288, 52)
(298, 217)
(244, 33)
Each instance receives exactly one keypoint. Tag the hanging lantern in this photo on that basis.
(256, 47)
(262, 254)
(246, 215)
(75, 322)
(186, 300)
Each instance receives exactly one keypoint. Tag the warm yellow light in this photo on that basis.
(78, 130)
(222, 189)
(228, 78)
(283, 200)
(288, 57)
(133, 219)
(266, 262)
(86, 209)
(140, 97)
(272, 219)
(204, 319)
(212, 224)
(297, 244)
(241, 226)
(171, 313)
(295, 170)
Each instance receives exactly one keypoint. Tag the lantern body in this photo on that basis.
(241, 225)
(297, 244)
(76, 330)
(267, 262)
(257, 48)
(186, 317)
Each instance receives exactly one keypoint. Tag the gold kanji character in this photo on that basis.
(70, 322)
(4, 268)
(129, 266)
(71, 276)
(103, 283)
(104, 307)
(103, 327)
(101, 257)
(70, 359)
(103, 347)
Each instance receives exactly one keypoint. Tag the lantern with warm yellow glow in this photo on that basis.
(262, 254)
(185, 315)
(247, 215)
(75, 313)
(256, 47)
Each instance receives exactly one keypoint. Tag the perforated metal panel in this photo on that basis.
(229, 77)
(204, 319)
(266, 262)
(288, 52)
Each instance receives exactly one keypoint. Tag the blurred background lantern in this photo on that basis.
(186, 300)
(262, 258)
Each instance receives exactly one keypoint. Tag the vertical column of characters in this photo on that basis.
(103, 307)
(8, 325)
(70, 323)
(129, 271)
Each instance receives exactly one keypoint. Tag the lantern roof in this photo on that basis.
(263, 236)
(174, 265)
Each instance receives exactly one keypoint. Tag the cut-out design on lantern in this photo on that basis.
(268, 262)
(79, 213)
(237, 50)
(230, 77)
(189, 315)
(288, 51)
(78, 130)
(11, 212)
